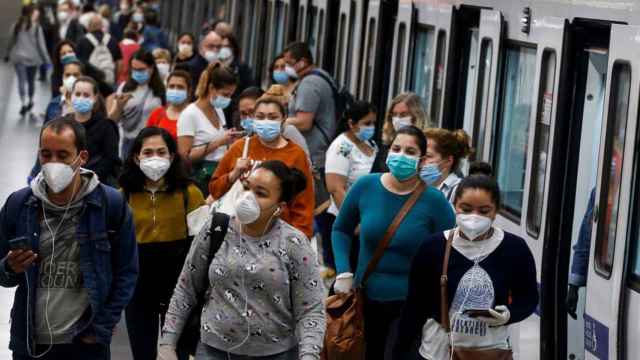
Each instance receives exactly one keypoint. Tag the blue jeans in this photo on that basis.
(70, 352)
(26, 80)
(206, 352)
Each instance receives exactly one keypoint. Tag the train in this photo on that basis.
(549, 91)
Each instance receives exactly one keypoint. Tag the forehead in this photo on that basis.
(72, 68)
(264, 178)
(279, 62)
(185, 39)
(154, 142)
(63, 140)
(177, 80)
(400, 108)
(83, 86)
(268, 108)
(405, 141)
(476, 197)
(247, 103)
(212, 38)
(370, 116)
(139, 64)
(65, 48)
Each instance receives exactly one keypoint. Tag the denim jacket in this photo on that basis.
(108, 262)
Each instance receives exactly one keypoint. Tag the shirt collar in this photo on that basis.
(451, 181)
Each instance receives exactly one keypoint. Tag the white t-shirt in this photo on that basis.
(346, 159)
(193, 122)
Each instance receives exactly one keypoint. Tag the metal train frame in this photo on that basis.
(549, 91)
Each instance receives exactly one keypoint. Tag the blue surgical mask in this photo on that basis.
(247, 124)
(366, 133)
(281, 77)
(137, 17)
(402, 166)
(267, 130)
(140, 76)
(68, 59)
(220, 102)
(176, 96)
(82, 105)
(430, 174)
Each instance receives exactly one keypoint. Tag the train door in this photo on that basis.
(319, 30)
(276, 28)
(371, 49)
(606, 316)
(347, 43)
(401, 45)
(302, 24)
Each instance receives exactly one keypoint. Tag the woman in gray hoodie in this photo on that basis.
(27, 51)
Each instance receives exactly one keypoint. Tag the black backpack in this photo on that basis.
(342, 100)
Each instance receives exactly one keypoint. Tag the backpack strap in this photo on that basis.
(444, 280)
(115, 205)
(105, 39)
(217, 232)
(92, 39)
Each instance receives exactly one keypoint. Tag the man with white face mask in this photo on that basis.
(208, 52)
(68, 244)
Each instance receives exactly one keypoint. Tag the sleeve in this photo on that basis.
(422, 299)
(7, 277)
(308, 96)
(110, 159)
(186, 124)
(196, 199)
(307, 295)
(300, 211)
(42, 47)
(444, 217)
(523, 286)
(219, 183)
(155, 116)
(345, 225)
(578, 276)
(125, 275)
(338, 159)
(191, 282)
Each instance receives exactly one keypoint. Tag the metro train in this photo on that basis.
(549, 91)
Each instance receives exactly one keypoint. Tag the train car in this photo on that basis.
(549, 92)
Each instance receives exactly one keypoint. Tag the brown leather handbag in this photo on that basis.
(462, 353)
(344, 336)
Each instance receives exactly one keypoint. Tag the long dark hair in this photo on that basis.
(356, 112)
(155, 83)
(55, 59)
(133, 179)
(25, 19)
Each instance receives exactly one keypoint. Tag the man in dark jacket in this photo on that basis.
(81, 233)
(67, 26)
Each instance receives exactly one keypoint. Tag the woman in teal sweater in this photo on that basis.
(372, 202)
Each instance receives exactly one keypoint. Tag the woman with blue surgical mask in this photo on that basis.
(268, 143)
(203, 132)
(135, 99)
(445, 151)
(371, 204)
(280, 76)
(178, 97)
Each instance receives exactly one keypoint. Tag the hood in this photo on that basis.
(89, 183)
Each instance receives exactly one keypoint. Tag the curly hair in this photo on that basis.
(416, 108)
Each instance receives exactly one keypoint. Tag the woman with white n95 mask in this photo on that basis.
(162, 200)
(264, 296)
(491, 283)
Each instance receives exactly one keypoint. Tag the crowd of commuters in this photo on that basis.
(171, 187)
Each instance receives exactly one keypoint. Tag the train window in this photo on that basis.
(402, 29)
(341, 46)
(438, 82)
(482, 96)
(350, 45)
(612, 174)
(370, 55)
(422, 63)
(312, 35)
(513, 126)
(541, 143)
(320, 39)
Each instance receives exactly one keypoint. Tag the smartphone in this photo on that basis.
(477, 312)
(20, 243)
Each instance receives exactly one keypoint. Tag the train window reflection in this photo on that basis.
(312, 34)
(513, 125)
(422, 64)
(399, 65)
(541, 143)
(341, 47)
(279, 30)
(482, 96)
(612, 174)
(438, 81)
(370, 55)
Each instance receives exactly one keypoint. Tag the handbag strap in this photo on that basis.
(444, 280)
(391, 230)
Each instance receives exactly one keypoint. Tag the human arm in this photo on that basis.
(523, 284)
(443, 216)
(8, 276)
(303, 121)
(345, 225)
(116, 103)
(300, 211)
(221, 181)
(337, 165)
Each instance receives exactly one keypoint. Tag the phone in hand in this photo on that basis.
(477, 312)
(20, 243)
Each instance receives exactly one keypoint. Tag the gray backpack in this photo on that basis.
(101, 57)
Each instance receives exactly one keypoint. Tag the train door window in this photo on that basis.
(612, 174)
(482, 96)
(312, 35)
(341, 46)
(422, 63)
(438, 82)
(370, 54)
(320, 39)
(541, 143)
(350, 45)
(399, 69)
(472, 69)
(513, 126)
(279, 30)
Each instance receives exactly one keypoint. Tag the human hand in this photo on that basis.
(572, 301)
(122, 99)
(19, 260)
(88, 339)
(499, 316)
(242, 166)
(344, 283)
(167, 352)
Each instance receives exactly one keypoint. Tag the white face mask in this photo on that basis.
(247, 208)
(163, 69)
(400, 122)
(473, 225)
(291, 71)
(58, 176)
(68, 83)
(185, 49)
(211, 56)
(155, 167)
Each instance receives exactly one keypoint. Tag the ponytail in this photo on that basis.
(292, 180)
(451, 143)
(216, 75)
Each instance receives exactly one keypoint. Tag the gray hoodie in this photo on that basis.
(61, 298)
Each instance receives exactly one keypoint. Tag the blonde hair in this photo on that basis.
(450, 143)
(276, 94)
(160, 53)
(416, 109)
(216, 75)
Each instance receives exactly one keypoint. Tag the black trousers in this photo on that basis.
(380, 327)
(70, 352)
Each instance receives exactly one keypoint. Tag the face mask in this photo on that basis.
(137, 17)
(366, 133)
(280, 77)
(68, 83)
(473, 225)
(430, 174)
(400, 122)
(155, 167)
(68, 59)
(225, 54)
(267, 130)
(291, 71)
(176, 96)
(221, 102)
(185, 49)
(163, 69)
(140, 76)
(63, 16)
(82, 105)
(402, 166)
(57, 176)
(247, 124)
(211, 56)
(247, 208)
